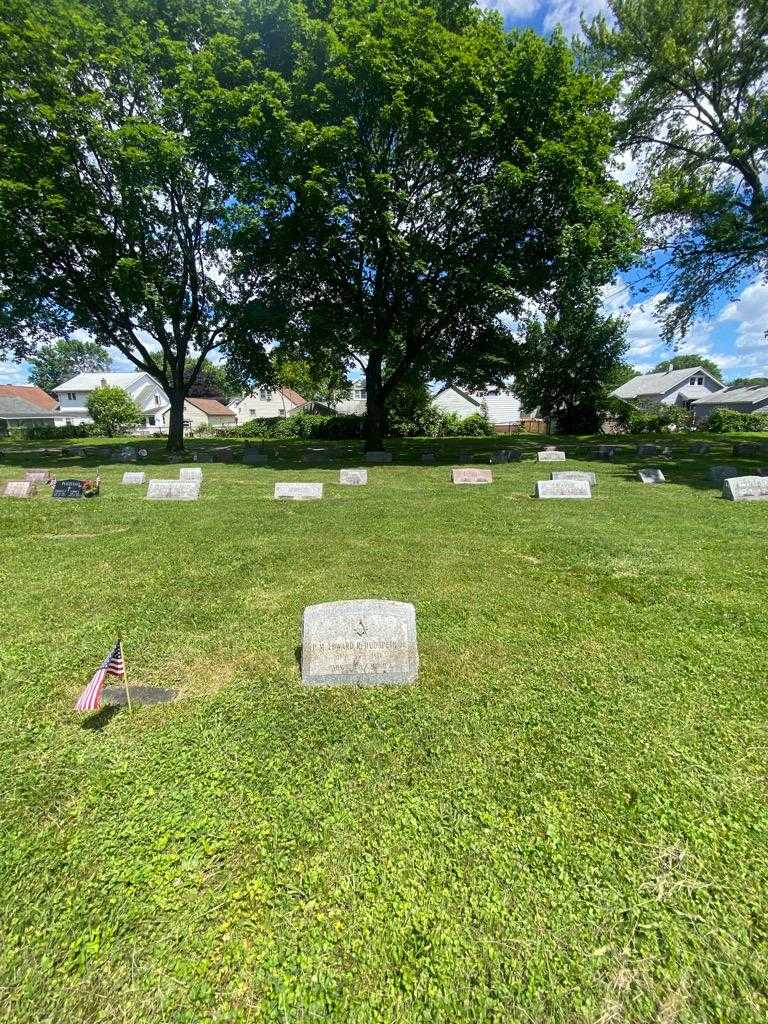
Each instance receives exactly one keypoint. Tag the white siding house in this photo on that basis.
(265, 403)
(674, 387)
(201, 414)
(751, 398)
(73, 397)
(501, 407)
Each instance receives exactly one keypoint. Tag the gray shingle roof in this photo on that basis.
(657, 383)
(755, 395)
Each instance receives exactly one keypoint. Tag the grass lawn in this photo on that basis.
(565, 820)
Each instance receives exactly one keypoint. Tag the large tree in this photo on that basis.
(56, 362)
(683, 362)
(114, 158)
(428, 173)
(569, 359)
(694, 101)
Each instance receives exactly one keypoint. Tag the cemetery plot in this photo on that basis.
(471, 476)
(367, 643)
(574, 474)
(378, 456)
(577, 489)
(20, 489)
(746, 488)
(298, 491)
(550, 455)
(173, 490)
(134, 478)
(353, 477)
(651, 476)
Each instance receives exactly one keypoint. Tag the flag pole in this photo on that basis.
(125, 676)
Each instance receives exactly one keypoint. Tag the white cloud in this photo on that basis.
(13, 373)
(750, 312)
(568, 13)
(512, 10)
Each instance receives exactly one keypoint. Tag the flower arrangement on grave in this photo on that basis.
(91, 487)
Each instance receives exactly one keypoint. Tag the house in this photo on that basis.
(16, 413)
(73, 397)
(357, 403)
(29, 393)
(266, 403)
(201, 414)
(673, 387)
(752, 398)
(502, 408)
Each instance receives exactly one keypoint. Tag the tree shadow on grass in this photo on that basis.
(102, 718)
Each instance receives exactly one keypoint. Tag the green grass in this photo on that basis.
(565, 820)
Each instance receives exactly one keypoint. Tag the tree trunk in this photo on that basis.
(376, 413)
(176, 421)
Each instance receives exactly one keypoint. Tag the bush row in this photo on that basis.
(656, 419)
(352, 428)
(723, 421)
(53, 433)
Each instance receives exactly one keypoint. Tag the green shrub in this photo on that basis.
(54, 433)
(655, 420)
(725, 421)
(302, 425)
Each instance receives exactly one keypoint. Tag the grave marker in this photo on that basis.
(74, 489)
(718, 474)
(20, 489)
(173, 490)
(651, 476)
(550, 455)
(134, 478)
(298, 492)
(254, 457)
(745, 448)
(647, 449)
(428, 457)
(365, 643)
(574, 474)
(577, 489)
(506, 455)
(353, 477)
(378, 456)
(37, 476)
(187, 473)
(472, 476)
(746, 488)
(700, 448)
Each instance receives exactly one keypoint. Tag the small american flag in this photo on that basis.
(113, 665)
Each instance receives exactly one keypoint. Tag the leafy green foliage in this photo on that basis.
(724, 421)
(113, 411)
(313, 380)
(744, 382)
(300, 425)
(654, 419)
(413, 201)
(695, 88)
(58, 361)
(682, 362)
(565, 819)
(568, 360)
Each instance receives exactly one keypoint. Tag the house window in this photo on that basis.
(252, 412)
(699, 380)
(71, 396)
(157, 399)
(150, 421)
(282, 412)
(359, 394)
(264, 395)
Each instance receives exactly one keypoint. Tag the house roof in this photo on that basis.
(658, 383)
(91, 381)
(211, 407)
(754, 395)
(14, 408)
(29, 393)
(292, 396)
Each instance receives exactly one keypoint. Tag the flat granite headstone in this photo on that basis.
(428, 457)
(651, 476)
(353, 477)
(745, 448)
(574, 474)
(472, 476)
(223, 454)
(254, 457)
(173, 490)
(363, 643)
(187, 473)
(20, 489)
(700, 448)
(298, 492)
(506, 455)
(718, 474)
(115, 695)
(37, 476)
(606, 451)
(746, 488)
(563, 489)
(550, 455)
(648, 449)
(71, 490)
(134, 478)
(378, 456)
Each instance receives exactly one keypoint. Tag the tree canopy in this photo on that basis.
(56, 362)
(691, 359)
(414, 202)
(694, 77)
(113, 411)
(113, 179)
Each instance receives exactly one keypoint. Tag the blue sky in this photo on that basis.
(734, 334)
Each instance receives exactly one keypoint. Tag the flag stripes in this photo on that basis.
(113, 665)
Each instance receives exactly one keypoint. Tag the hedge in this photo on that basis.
(726, 421)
